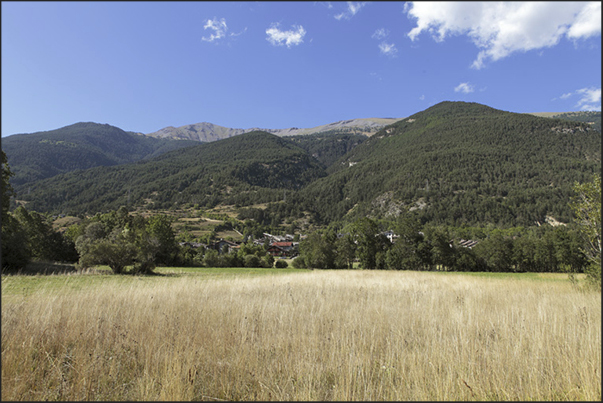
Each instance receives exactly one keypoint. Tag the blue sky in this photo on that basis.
(142, 66)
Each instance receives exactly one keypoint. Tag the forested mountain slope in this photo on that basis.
(461, 163)
(455, 163)
(82, 145)
(248, 168)
(328, 147)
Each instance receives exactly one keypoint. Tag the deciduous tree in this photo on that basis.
(15, 254)
(586, 205)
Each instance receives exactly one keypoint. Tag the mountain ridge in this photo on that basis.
(207, 132)
(82, 145)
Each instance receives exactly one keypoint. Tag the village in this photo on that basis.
(279, 246)
(286, 246)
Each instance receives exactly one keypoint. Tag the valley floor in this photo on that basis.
(240, 334)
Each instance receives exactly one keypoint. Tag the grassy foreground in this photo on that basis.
(303, 335)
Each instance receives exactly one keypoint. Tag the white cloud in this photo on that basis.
(590, 99)
(587, 23)
(388, 49)
(289, 38)
(464, 87)
(501, 28)
(352, 10)
(244, 30)
(220, 30)
(422, 97)
(380, 33)
(219, 27)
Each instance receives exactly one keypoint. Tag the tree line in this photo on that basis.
(429, 247)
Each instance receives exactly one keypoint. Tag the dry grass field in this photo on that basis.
(311, 335)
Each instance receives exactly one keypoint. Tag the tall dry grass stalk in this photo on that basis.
(324, 335)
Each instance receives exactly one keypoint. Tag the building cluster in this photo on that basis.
(278, 246)
(285, 246)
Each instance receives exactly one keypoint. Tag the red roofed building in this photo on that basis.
(282, 248)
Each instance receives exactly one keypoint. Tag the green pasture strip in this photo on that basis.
(515, 276)
(18, 286)
(221, 271)
(23, 286)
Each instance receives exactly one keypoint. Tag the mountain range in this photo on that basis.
(455, 163)
(40, 155)
(206, 132)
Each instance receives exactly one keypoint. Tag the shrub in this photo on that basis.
(298, 263)
(268, 261)
(252, 261)
(281, 264)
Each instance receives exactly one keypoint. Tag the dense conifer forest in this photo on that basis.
(249, 168)
(461, 164)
